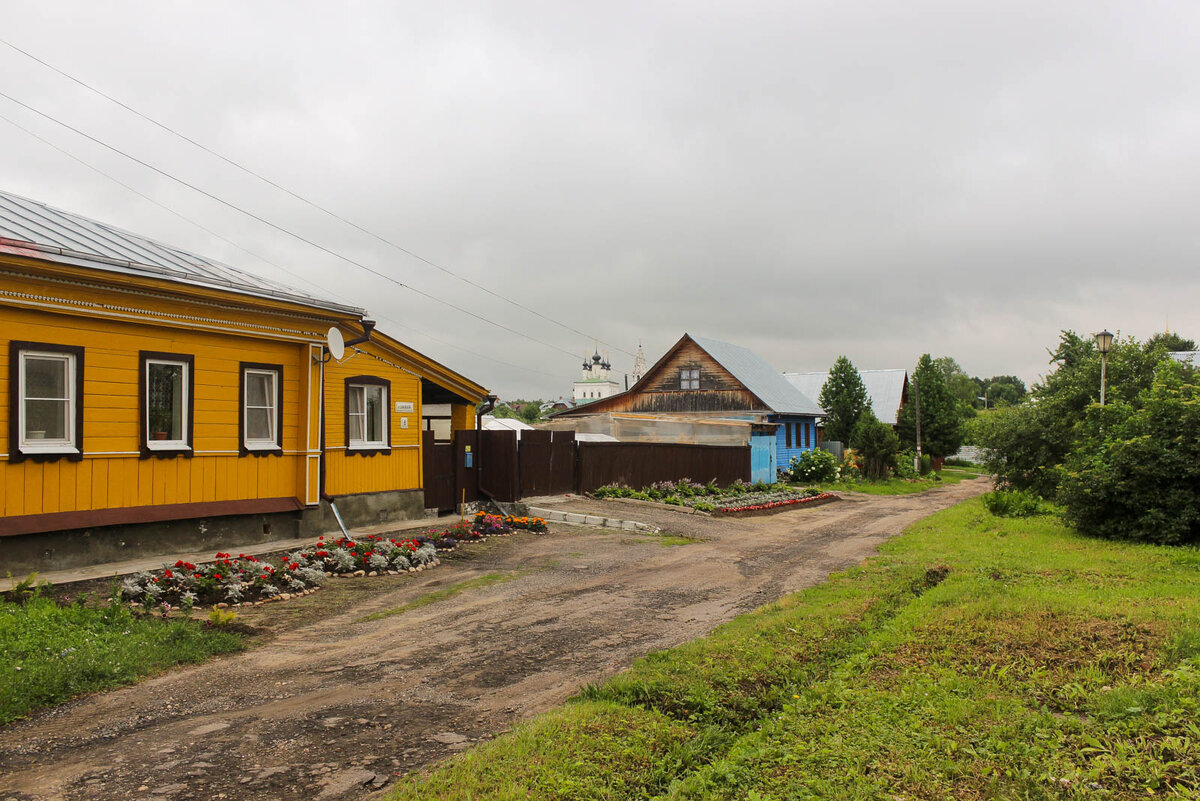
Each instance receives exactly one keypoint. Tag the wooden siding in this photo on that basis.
(661, 392)
(348, 473)
(462, 416)
(112, 474)
(798, 426)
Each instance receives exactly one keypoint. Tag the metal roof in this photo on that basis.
(67, 238)
(760, 378)
(1186, 356)
(884, 387)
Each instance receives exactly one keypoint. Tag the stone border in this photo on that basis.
(594, 521)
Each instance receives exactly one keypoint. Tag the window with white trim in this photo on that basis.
(689, 378)
(167, 390)
(260, 409)
(47, 405)
(366, 410)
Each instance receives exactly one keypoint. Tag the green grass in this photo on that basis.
(976, 657)
(443, 593)
(50, 653)
(901, 486)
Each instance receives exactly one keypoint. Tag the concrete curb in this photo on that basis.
(590, 521)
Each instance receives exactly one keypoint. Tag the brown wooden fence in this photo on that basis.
(496, 465)
(639, 464)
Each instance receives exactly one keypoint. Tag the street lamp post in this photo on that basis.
(1104, 345)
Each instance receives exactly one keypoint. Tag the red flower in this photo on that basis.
(293, 567)
(168, 574)
(180, 563)
(216, 575)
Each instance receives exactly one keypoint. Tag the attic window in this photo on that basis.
(689, 378)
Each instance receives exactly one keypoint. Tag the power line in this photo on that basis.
(281, 229)
(391, 323)
(300, 197)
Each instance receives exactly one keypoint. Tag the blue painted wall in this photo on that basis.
(803, 437)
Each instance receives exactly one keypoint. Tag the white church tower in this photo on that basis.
(596, 380)
(639, 365)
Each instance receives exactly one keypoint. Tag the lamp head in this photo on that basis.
(1104, 341)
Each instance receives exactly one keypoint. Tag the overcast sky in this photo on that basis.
(806, 179)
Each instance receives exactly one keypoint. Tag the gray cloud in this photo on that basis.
(806, 179)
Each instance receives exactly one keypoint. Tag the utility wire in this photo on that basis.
(264, 259)
(281, 229)
(301, 198)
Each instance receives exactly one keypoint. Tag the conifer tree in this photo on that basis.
(844, 399)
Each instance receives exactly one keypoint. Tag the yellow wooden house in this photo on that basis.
(157, 401)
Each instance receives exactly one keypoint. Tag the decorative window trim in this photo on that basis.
(260, 448)
(16, 407)
(368, 449)
(173, 447)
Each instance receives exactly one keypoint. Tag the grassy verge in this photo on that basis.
(902, 486)
(977, 657)
(442, 594)
(49, 653)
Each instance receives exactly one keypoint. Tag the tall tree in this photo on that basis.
(844, 398)
(942, 415)
(1003, 390)
(1170, 342)
(964, 388)
(877, 443)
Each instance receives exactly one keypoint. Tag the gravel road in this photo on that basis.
(324, 706)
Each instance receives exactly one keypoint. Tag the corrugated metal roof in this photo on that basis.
(68, 238)
(1186, 356)
(759, 377)
(885, 388)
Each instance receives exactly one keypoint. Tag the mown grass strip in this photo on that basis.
(442, 594)
(50, 653)
(1044, 665)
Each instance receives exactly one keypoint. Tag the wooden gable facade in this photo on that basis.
(685, 380)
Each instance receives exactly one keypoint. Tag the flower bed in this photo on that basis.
(242, 579)
(767, 504)
(711, 498)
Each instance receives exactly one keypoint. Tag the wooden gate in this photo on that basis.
(536, 453)
(438, 467)
(498, 474)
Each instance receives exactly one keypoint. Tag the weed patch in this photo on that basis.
(50, 653)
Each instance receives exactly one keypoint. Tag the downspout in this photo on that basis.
(368, 326)
(488, 406)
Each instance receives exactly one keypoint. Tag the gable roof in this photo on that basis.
(31, 228)
(885, 388)
(759, 377)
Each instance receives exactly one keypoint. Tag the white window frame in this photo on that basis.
(368, 444)
(185, 388)
(70, 443)
(259, 444)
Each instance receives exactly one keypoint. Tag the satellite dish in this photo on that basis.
(335, 344)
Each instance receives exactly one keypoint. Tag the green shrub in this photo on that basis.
(926, 464)
(1013, 503)
(1135, 470)
(814, 466)
(876, 443)
(952, 462)
(904, 465)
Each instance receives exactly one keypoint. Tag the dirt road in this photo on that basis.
(329, 707)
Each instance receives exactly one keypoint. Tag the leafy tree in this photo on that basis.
(1003, 390)
(1170, 342)
(877, 443)
(964, 388)
(1134, 472)
(1026, 444)
(529, 411)
(942, 415)
(844, 399)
